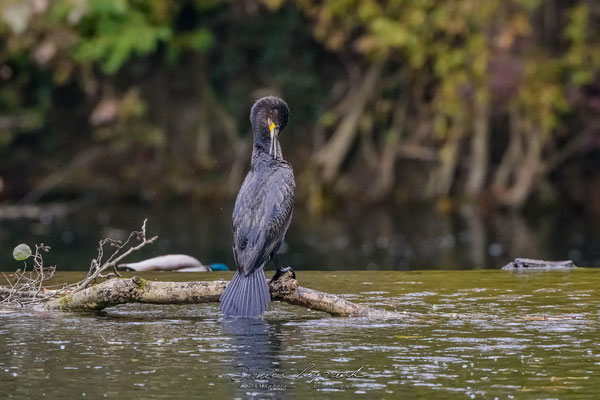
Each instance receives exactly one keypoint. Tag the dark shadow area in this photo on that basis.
(379, 238)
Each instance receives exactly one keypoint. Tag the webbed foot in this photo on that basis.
(280, 272)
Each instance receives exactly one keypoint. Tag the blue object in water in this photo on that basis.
(219, 267)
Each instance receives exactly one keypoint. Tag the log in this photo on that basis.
(522, 264)
(117, 291)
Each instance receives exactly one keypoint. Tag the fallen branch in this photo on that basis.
(87, 294)
(122, 250)
(137, 290)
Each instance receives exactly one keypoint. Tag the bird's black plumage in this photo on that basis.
(262, 212)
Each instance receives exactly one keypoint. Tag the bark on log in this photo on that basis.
(137, 290)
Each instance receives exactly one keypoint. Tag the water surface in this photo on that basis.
(374, 239)
(465, 334)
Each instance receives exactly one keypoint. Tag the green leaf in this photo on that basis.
(22, 252)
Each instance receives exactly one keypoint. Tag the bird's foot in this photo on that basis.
(280, 272)
(283, 283)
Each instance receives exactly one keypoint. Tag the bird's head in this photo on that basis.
(268, 117)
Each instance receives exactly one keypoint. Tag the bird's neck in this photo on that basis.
(262, 148)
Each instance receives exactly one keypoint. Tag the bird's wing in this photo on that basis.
(261, 217)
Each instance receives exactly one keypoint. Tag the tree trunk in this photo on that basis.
(331, 156)
(512, 157)
(389, 151)
(529, 172)
(479, 149)
(442, 180)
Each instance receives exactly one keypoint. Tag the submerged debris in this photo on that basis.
(531, 264)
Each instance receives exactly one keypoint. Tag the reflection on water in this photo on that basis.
(465, 334)
(351, 239)
(256, 353)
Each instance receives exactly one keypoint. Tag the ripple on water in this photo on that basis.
(466, 334)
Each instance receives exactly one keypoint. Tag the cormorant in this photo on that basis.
(262, 212)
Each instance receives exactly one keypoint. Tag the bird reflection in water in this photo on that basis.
(255, 367)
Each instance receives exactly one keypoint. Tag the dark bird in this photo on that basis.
(262, 212)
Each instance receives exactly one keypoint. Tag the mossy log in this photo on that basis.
(137, 290)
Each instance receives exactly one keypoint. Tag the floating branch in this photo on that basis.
(137, 290)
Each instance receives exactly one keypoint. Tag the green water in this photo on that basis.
(466, 334)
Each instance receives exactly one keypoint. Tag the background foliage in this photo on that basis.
(406, 101)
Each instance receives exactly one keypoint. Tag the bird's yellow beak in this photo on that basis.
(273, 131)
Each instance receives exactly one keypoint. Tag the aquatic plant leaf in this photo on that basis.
(22, 252)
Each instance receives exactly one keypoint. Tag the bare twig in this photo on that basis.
(27, 287)
(123, 249)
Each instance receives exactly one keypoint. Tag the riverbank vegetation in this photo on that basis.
(410, 101)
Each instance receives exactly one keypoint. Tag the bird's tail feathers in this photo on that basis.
(246, 296)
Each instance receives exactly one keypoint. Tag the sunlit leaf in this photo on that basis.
(22, 252)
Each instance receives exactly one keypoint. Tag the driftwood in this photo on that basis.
(117, 291)
(522, 264)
